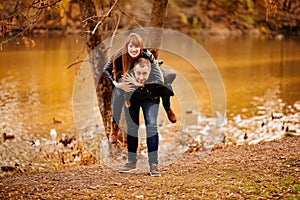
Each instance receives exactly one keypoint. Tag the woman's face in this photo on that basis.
(133, 51)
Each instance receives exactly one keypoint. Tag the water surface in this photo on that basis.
(260, 77)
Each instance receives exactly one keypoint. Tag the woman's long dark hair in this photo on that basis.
(127, 60)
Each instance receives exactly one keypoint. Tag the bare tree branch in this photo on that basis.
(34, 18)
(106, 15)
(114, 33)
(31, 24)
(90, 18)
(132, 17)
(43, 6)
(75, 63)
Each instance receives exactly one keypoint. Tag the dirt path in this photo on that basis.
(265, 171)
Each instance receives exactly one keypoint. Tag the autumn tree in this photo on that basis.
(19, 18)
(97, 57)
(97, 52)
(157, 20)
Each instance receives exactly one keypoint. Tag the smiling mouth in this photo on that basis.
(134, 54)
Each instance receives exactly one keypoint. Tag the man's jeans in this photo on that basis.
(150, 112)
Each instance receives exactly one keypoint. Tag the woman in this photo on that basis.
(116, 69)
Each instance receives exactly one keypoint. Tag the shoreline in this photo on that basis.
(265, 170)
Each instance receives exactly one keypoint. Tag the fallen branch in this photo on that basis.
(81, 61)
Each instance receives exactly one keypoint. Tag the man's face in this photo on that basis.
(141, 73)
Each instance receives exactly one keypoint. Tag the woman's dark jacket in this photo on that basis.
(108, 68)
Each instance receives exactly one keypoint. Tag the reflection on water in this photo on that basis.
(261, 77)
(36, 87)
(250, 67)
(36, 96)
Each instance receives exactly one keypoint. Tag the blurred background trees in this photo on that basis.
(60, 17)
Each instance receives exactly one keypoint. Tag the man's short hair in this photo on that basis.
(143, 62)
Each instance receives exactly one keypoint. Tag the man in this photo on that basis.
(143, 97)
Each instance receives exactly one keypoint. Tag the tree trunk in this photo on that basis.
(158, 14)
(97, 58)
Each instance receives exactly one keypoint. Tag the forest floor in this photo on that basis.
(268, 170)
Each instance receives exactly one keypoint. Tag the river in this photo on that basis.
(261, 80)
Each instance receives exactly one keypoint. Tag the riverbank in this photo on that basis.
(268, 170)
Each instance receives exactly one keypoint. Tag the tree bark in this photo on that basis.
(158, 14)
(97, 58)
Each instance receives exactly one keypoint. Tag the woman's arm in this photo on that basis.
(147, 54)
(108, 69)
(156, 75)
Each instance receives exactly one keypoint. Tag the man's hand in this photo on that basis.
(132, 80)
(126, 86)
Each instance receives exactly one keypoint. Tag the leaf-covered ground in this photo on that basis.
(269, 170)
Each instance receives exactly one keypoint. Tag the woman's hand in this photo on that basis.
(127, 87)
(127, 103)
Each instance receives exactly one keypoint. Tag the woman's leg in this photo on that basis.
(117, 105)
(166, 102)
(166, 94)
